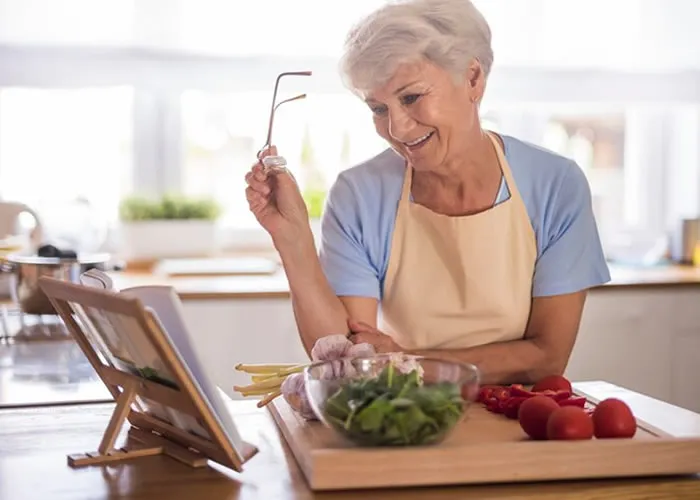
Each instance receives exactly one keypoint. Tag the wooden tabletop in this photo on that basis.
(34, 444)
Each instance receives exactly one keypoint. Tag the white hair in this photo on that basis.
(448, 33)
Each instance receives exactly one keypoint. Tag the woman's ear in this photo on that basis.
(476, 81)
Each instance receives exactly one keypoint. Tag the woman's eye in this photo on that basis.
(378, 110)
(410, 98)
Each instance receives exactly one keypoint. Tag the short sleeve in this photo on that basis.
(572, 258)
(344, 258)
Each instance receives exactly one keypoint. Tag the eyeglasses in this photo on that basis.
(276, 105)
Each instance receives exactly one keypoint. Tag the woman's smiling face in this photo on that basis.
(424, 114)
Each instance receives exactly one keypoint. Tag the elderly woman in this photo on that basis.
(466, 244)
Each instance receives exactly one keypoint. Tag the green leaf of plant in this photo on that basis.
(370, 418)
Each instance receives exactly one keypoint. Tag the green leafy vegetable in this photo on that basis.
(168, 207)
(394, 409)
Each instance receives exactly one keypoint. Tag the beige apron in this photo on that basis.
(457, 282)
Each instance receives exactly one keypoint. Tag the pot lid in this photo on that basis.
(94, 258)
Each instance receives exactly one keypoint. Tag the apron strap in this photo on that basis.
(502, 163)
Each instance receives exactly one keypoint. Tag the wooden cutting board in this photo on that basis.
(485, 448)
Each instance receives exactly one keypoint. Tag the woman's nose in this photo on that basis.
(400, 125)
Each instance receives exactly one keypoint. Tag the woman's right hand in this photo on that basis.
(275, 200)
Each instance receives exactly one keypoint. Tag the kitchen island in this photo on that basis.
(34, 443)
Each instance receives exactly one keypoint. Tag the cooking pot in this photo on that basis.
(26, 270)
(684, 241)
(16, 238)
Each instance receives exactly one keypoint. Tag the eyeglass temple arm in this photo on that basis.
(274, 106)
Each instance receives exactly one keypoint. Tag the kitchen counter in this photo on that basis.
(34, 443)
(276, 285)
(37, 372)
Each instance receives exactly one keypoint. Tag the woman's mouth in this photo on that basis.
(419, 142)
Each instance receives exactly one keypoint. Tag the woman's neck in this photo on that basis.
(467, 183)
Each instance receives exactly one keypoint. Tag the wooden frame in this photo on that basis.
(77, 305)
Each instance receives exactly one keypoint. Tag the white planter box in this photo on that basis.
(316, 231)
(168, 239)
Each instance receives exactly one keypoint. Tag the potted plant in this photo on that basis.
(168, 226)
(314, 184)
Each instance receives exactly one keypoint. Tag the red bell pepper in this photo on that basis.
(486, 392)
(555, 395)
(511, 406)
(574, 401)
(517, 390)
(491, 403)
(501, 393)
(561, 395)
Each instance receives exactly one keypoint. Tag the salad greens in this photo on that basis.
(394, 409)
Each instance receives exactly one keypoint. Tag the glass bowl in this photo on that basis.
(391, 400)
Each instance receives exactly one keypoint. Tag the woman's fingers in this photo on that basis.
(360, 326)
(255, 199)
(257, 183)
(258, 172)
(268, 151)
(364, 338)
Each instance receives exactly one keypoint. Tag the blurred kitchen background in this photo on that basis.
(103, 100)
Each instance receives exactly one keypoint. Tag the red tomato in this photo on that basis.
(553, 383)
(569, 422)
(612, 418)
(533, 415)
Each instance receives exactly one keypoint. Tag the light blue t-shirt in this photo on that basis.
(360, 212)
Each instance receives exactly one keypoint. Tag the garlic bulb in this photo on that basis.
(294, 392)
(338, 347)
(336, 369)
(364, 350)
(406, 363)
(330, 347)
(339, 351)
(288, 380)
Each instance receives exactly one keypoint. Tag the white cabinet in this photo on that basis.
(644, 338)
(685, 370)
(235, 331)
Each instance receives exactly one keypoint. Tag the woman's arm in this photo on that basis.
(275, 200)
(545, 349)
(317, 310)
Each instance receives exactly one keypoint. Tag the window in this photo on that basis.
(68, 22)
(319, 137)
(596, 141)
(60, 146)
(268, 27)
(641, 161)
(174, 96)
